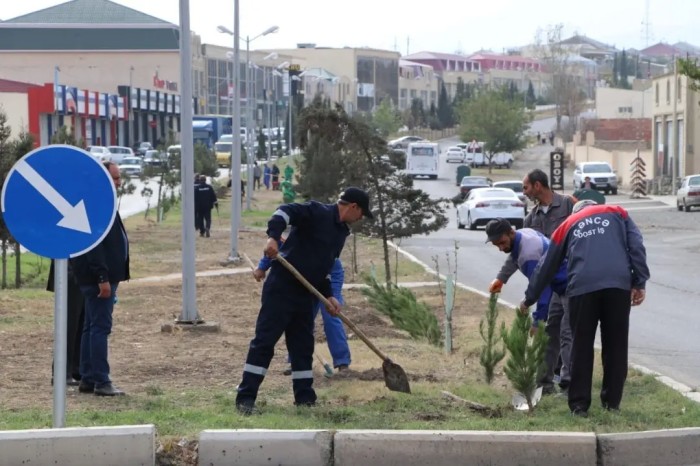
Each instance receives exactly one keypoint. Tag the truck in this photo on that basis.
(208, 129)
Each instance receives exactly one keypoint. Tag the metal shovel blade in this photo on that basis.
(395, 377)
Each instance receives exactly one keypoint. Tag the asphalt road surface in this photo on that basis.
(663, 331)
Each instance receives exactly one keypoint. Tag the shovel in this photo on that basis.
(395, 377)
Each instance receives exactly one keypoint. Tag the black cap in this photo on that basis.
(497, 228)
(357, 196)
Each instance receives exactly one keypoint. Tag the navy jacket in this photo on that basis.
(204, 197)
(106, 262)
(603, 248)
(315, 241)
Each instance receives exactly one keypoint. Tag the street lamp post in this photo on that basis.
(236, 65)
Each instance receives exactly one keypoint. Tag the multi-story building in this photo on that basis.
(675, 126)
(112, 72)
(450, 68)
(417, 81)
(502, 70)
(358, 78)
(611, 103)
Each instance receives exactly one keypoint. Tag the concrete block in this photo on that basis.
(252, 447)
(695, 396)
(653, 448)
(79, 446)
(409, 448)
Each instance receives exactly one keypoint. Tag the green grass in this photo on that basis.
(647, 405)
(34, 270)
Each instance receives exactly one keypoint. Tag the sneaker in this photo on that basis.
(342, 368)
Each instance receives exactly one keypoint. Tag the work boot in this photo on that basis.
(245, 407)
(287, 371)
(343, 368)
(207, 233)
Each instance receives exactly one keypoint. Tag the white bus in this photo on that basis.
(423, 159)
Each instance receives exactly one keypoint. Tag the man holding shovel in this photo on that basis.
(315, 241)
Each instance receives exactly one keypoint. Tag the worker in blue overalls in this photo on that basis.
(315, 241)
(332, 326)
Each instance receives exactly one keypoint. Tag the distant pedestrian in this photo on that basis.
(204, 201)
(256, 176)
(267, 173)
(607, 273)
(275, 177)
(551, 138)
(587, 183)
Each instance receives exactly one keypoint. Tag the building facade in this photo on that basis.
(623, 103)
(675, 126)
(417, 81)
(450, 68)
(98, 47)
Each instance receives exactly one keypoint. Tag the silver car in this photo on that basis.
(689, 193)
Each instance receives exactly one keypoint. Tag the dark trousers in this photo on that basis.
(611, 307)
(76, 313)
(202, 220)
(290, 314)
(94, 367)
(256, 182)
(558, 350)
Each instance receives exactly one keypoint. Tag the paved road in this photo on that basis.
(663, 332)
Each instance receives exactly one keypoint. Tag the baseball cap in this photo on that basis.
(357, 196)
(497, 228)
(582, 204)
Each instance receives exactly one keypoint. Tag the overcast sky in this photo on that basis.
(446, 26)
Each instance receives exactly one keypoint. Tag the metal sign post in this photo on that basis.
(59, 202)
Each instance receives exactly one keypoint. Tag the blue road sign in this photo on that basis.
(58, 201)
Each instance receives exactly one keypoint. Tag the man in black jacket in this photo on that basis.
(204, 200)
(99, 272)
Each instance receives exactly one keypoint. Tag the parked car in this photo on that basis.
(101, 153)
(468, 156)
(119, 152)
(484, 204)
(404, 141)
(455, 154)
(471, 182)
(689, 193)
(154, 158)
(516, 186)
(601, 174)
(140, 148)
(132, 166)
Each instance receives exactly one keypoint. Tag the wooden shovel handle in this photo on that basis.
(326, 303)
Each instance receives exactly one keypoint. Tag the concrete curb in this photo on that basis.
(253, 447)
(409, 448)
(79, 446)
(657, 447)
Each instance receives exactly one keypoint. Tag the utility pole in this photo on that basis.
(674, 131)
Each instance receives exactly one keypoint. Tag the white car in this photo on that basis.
(132, 166)
(516, 186)
(119, 152)
(455, 154)
(484, 204)
(600, 173)
(101, 153)
(689, 193)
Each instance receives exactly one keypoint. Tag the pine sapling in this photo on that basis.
(525, 365)
(491, 354)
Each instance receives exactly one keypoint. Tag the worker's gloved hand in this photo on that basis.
(495, 286)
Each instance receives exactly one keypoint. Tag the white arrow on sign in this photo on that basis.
(74, 217)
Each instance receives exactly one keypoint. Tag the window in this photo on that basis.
(656, 94)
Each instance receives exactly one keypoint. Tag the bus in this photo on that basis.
(423, 159)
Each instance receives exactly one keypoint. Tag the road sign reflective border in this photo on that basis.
(58, 201)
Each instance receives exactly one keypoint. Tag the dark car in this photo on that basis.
(467, 184)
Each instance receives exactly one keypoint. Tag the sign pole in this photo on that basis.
(59, 341)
